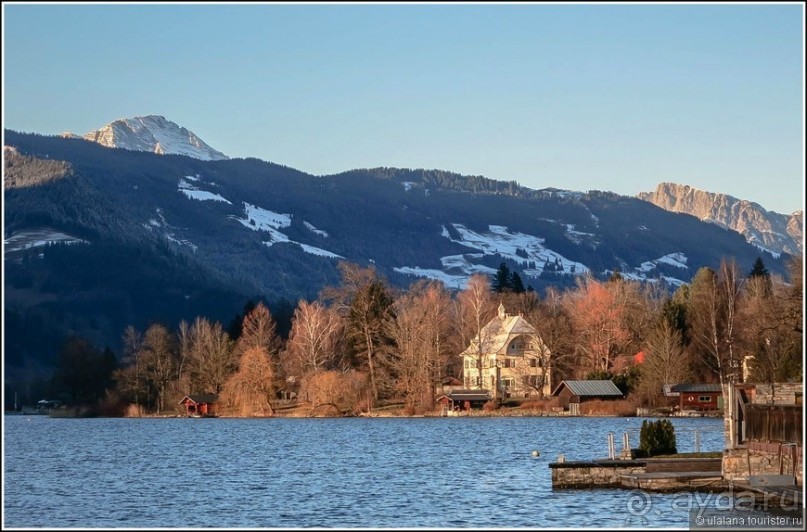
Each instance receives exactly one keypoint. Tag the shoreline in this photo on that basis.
(304, 413)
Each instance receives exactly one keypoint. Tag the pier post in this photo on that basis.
(626, 454)
(611, 446)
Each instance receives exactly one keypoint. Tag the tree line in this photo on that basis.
(362, 344)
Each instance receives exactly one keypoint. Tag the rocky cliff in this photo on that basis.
(777, 233)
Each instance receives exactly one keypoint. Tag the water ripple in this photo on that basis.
(357, 473)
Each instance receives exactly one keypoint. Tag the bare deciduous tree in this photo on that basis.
(598, 314)
(251, 388)
(315, 333)
(665, 361)
(417, 332)
(130, 378)
(343, 390)
(212, 358)
(773, 345)
(476, 310)
(159, 358)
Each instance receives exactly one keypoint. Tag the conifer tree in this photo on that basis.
(502, 279)
(759, 269)
(516, 283)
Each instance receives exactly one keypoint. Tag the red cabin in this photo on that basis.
(698, 396)
(202, 405)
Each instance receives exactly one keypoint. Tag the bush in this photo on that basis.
(540, 405)
(611, 407)
(657, 437)
(490, 406)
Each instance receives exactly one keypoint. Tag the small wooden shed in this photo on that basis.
(575, 392)
(699, 396)
(464, 399)
(202, 405)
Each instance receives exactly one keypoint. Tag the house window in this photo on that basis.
(535, 363)
(705, 399)
(507, 383)
(479, 381)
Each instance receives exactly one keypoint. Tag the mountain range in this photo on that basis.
(97, 238)
(769, 231)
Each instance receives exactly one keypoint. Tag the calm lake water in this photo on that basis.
(333, 473)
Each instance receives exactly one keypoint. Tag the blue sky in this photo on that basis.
(612, 97)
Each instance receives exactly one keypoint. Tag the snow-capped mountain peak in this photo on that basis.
(153, 133)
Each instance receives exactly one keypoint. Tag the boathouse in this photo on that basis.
(464, 399)
(200, 405)
(698, 396)
(571, 393)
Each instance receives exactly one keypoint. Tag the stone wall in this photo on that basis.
(596, 474)
(762, 459)
(784, 393)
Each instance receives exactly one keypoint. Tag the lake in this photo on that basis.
(464, 472)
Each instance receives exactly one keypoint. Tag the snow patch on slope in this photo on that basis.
(259, 219)
(521, 248)
(450, 281)
(194, 192)
(34, 238)
(315, 230)
(526, 250)
(167, 230)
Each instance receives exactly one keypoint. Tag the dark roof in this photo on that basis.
(469, 395)
(201, 398)
(686, 387)
(604, 388)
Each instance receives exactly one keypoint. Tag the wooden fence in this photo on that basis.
(773, 423)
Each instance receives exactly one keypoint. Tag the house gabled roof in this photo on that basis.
(696, 388)
(602, 388)
(469, 395)
(201, 398)
(498, 333)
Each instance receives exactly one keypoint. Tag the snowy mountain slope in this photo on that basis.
(155, 134)
(190, 230)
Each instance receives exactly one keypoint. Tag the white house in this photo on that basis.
(508, 358)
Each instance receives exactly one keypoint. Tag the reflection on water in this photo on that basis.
(336, 473)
